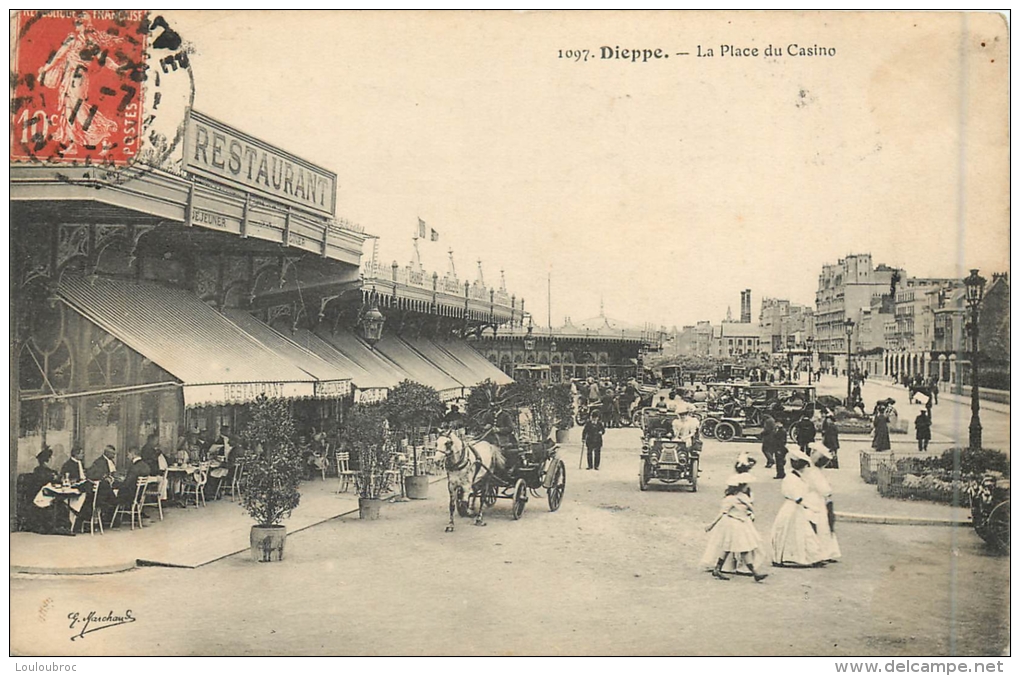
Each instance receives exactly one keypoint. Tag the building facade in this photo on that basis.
(844, 289)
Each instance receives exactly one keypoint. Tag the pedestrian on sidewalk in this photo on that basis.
(804, 430)
(934, 389)
(734, 541)
(830, 439)
(591, 437)
(779, 450)
(767, 442)
(795, 540)
(922, 430)
(880, 441)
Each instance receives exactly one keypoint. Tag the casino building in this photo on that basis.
(159, 299)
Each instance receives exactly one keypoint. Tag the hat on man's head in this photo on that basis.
(44, 455)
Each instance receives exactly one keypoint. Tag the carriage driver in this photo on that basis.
(499, 422)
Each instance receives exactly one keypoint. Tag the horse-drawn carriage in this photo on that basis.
(480, 472)
(670, 450)
(989, 510)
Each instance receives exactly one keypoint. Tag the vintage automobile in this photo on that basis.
(669, 453)
(744, 408)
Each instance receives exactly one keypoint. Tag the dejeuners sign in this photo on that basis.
(219, 152)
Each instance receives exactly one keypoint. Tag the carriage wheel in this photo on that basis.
(708, 426)
(998, 527)
(581, 418)
(644, 475)
(725, 431)
(559, 485)
(695, 466)
(792, 433)
(520, 499)
(489, 495)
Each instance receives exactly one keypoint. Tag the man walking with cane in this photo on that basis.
(591, 438)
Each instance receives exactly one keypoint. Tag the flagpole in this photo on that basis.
(548, 296)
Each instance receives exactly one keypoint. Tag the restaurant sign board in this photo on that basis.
(224, 154)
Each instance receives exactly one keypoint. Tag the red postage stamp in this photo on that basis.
(77, 86)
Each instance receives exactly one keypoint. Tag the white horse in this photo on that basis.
(468, 468)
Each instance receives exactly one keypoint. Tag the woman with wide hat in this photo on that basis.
(795, 539)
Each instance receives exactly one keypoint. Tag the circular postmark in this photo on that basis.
(99, 89)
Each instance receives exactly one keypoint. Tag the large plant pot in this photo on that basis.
(267, 543)
(416, 487)
(369, 508)
(562, 436)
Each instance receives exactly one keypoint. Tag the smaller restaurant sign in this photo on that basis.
(226, 155)
(332, 389)
(370, 396)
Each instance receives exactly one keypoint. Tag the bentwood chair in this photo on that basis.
(194, 485)
(396, 472)
(96, 517)
(343, 470)
(135, 509)
(233, 487)
(156, 492)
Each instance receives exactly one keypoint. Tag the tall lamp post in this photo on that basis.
(849, 324)
(975, 284)
(810, 342)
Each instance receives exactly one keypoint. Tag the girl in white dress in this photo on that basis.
(814, 477)
(795, 539)
(734, 539)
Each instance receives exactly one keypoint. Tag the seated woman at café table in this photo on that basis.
(43, 472)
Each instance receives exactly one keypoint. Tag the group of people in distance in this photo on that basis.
(802, 533)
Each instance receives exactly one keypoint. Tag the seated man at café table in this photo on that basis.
(137, 469)
(104, 470)
(151, 451)
(74, 468)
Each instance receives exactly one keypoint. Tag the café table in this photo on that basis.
(54, 492)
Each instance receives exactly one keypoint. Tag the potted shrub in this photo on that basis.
(409, 408)
(562, 410)
(366, 433)
(269, 486)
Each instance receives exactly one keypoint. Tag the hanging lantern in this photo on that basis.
(529, 339)
(372, 324)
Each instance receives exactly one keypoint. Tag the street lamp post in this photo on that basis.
(849, 335)
(975, 290)
(810, 342)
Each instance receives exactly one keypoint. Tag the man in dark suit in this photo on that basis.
(74, 468)
(150, 451)
(138, 468)
(102, 471)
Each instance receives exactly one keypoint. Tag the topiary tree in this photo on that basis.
(366, 432)
(410, 406)
(272, 470)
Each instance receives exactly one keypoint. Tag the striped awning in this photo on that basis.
(332, 379)
(215, 360)
(418, 367)
(482, 367)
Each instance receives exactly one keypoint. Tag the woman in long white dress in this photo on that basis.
(795, 532)
(814, 477)
(734, 541)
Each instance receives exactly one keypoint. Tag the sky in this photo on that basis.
(660, 188)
